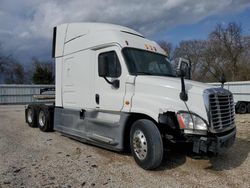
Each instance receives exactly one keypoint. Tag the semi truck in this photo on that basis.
(116, 89)
(241, 93)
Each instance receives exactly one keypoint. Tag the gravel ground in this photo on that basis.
(31, 158)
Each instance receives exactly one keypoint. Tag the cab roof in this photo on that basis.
(79, 29)
(72, 37)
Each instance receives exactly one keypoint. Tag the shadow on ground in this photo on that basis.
(232, 158)
(176, 155)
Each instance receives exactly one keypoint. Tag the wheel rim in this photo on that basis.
(29, 116)
(41, 118)
(243, 108)
(140, 144)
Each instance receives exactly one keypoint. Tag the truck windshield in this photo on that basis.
(142, 62)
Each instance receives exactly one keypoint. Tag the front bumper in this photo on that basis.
(215, 144)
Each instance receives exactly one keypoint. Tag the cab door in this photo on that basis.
(108, 97)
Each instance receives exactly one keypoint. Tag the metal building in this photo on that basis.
(20, 94)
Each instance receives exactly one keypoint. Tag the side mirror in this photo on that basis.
(103, 68)
(103, 71)
(184, 68)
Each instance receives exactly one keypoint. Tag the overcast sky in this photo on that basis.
(26, 25)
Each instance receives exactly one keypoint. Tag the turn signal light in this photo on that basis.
(181, 121)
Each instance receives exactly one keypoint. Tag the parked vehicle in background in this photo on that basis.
(241, 93)
(117, 90)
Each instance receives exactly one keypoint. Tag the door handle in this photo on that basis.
(97, 98)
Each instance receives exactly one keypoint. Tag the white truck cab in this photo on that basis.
(115, 88)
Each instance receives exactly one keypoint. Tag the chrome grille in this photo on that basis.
(221, 110)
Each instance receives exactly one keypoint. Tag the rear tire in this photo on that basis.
(31, 115)
(242, 108)
(44, 119)
(146, 144)
(248, 107)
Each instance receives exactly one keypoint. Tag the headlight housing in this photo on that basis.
(192, 123)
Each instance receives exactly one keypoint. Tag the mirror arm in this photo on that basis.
(107, 80)
(183, 94)
(114, 83)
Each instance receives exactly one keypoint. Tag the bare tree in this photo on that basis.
(213, 65)
(192, 50)
(228, 43)
(244, 60)
(167, 47)
(11, 71)
(225, 52)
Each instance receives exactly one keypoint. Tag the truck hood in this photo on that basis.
(161, 94)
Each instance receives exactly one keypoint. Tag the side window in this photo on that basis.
(114, 67)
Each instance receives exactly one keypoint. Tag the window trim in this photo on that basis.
(117, 58)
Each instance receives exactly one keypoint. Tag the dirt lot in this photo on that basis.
(31, 158)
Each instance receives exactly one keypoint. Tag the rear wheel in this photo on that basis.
(248, 107)
(31, 116)
(146, 144)
(242, 108)
(44, 119)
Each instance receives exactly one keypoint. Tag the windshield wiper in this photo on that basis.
(170, 75)
(144, 73)
(148, 73)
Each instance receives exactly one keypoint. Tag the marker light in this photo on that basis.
(127, 102)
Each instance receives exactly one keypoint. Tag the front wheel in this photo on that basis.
(146, 144)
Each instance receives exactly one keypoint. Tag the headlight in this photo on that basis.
(191, 123)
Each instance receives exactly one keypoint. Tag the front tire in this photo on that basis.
(146, 144)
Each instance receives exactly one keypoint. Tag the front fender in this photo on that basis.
(153, 105)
